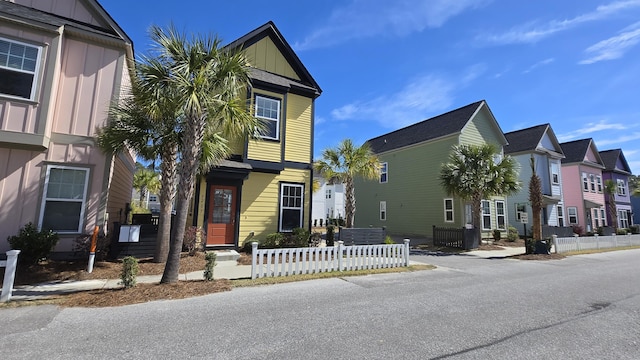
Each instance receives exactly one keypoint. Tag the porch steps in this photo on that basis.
(226, 257)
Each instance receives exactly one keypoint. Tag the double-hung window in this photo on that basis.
(572, 211)
(585, 182)
(596, 217)
(18, 68)
(383, 210)
(448, 210)
(384, 167)
(268, 111)
(486, 215)
(622, 188)
(560, 216)
(599, 183)
(501, 214)
(555, 174)
(291, 205)
(64, 200)
(623, 219)
(327, 194)
(593, 182)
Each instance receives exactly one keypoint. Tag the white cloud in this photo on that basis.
(533, 31)
(539, 64)
(590, 128)
(614, 47)
(368, 18)
(417, 100)
(618, 140)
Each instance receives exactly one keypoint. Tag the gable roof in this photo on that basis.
(269, 29)
(445, 124)
(610, 160)
(576, 151)
(527, 140)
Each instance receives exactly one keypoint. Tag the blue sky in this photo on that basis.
(386, 64)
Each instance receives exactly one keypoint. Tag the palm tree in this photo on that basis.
(472, 174)
(342, 165)
(610, 188)
(536, 200)
(145, 181)
(208, 83)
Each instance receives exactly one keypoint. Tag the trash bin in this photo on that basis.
(542, 247)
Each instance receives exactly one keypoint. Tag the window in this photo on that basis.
(268, 111)
(291, 196)
(65, 195)
(599, 182)
(448, 210)
(18, 68)
(520, 209)
(328, 194)
(623, 219)
(585, 182)
(500, 214)
(383, 172)
(622, 187)
(572, 211)
(560, 216)
(592, 180)
(555, 177)
(603, 217)
(383, 210)
(596, 217)
(153, 198)
(486, 215)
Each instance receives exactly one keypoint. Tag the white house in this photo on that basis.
(328, 202)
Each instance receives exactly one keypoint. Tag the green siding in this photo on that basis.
(482, 129)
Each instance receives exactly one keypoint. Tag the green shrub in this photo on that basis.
(300, 237)
(129, 272)
(208, 267)
(272, 241)
(512, 234)
(497, 234)
(330, 235)
(635, 229)
(34, 245)
(388, 240)
(621, 232)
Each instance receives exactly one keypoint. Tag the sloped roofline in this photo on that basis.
(591, 146)
(270, 29)
(620, 155)
(484, 105)
(547, 130)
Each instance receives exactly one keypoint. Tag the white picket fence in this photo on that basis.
(9, 274)
(578, 243)
(293, 261)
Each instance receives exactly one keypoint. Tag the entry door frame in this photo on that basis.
(236, 186)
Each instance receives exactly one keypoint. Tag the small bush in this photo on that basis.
(512, 234)
(129, 272)
(635, 229)
(497, 234)
(272, 241)
(208, 267)
(388, 240)
(315, 239)
(577, 229)
(82, 246)
(600, 231)
(621, 232)
(300, 237)
(330, 235)
(34, 245)
(193, 240)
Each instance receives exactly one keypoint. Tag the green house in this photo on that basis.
(408, 199)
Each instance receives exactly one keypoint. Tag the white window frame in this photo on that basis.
(596, 217)
(327, 194)
(34, 73)
(282, 207)
(622, 187)
(585, 182)
(448, 210)
(502, 216)
(603, 216)
(623, 219)
(384, 173)
(383, 210)
(592, 181)
(485, 214)
(266, 118)
(83, 201)
(570, 215)
(599, 183)
(560, 212)
(555, 174)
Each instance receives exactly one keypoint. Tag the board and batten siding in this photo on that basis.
(119, 191)
(265, 55)
(298, 129)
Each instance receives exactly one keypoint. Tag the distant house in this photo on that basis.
(540, 143)
(617, 170)
(583, 185)
(266, 186)
(409, 199)
(61, 64)
(328, 202)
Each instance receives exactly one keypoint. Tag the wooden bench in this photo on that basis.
(362, 236)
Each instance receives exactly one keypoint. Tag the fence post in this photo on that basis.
(597, 241)
(9, 275)
(554, 239)
(406, 252)
(577, 237)
(340, 248)
(615, 240)
(254, 260)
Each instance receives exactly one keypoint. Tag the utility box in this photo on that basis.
(129, 233)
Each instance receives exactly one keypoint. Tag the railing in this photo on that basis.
(579, 243)
(461, 238)
(293, 261)
(9, 274)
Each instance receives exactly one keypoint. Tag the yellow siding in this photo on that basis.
(201, 204)
(265, 55)
(267, 150)
(298, 129)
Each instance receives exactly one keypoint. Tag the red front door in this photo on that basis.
(222, 215)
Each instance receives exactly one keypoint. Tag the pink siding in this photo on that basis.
(591, 156)
(73, 9)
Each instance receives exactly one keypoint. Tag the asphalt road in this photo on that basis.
(582, 307)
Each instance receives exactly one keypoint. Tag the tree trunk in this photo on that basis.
(143, 192)
(168, 166)
(187, 169)
(476, 215)
(612, 212)
(350, 202)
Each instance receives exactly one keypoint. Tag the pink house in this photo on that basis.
(61, 64)
(583, 185)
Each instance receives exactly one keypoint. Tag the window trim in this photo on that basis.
(596, 218)
(281, 207)
(585, 182)
(599, 183)
(621, 187)
(555, 174)
(384, 172)
(503, 215)
(383, 211)
(264, 118)
(36, 71)
(482, 208)
(560, 215)
(575, 209)
(81, 219)
(623, 216)
(449, 211)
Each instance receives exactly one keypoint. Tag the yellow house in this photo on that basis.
(265, 187)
